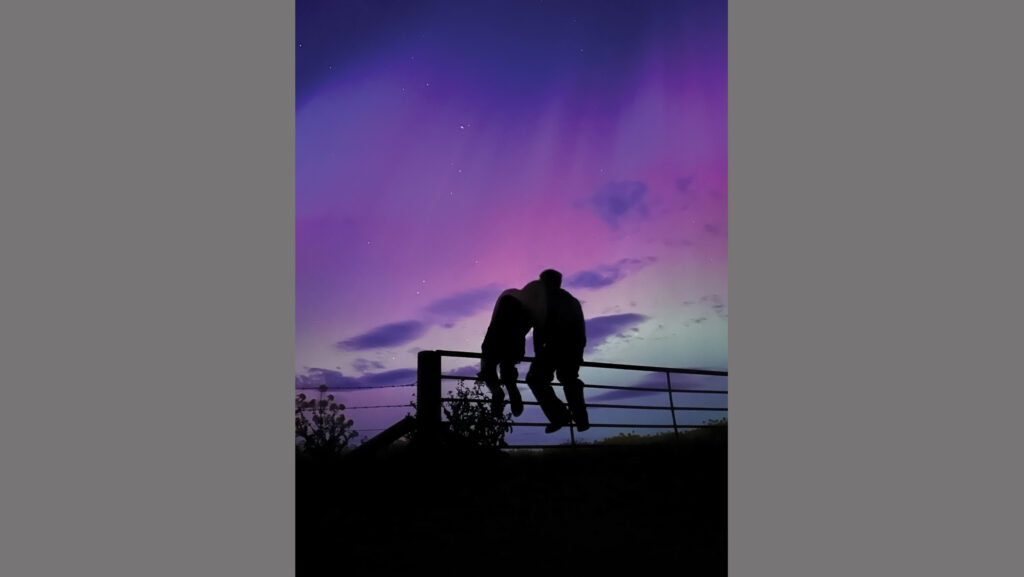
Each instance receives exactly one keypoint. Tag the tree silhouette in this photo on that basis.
(321, 429)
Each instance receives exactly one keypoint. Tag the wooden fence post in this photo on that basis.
(428, 396)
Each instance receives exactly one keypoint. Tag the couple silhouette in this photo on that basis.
(559, 337)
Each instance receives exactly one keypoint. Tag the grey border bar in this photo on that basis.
(146, 218)
(875, 286)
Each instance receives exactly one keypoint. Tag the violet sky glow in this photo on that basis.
(448, 150)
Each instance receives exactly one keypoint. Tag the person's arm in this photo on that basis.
(534, 298)
(580, 329)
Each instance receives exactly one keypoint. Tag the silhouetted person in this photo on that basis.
(558, 345)
(503, 347)
(515, 313)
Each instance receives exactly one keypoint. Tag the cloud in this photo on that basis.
(465, 304)
(595, 278)
(607, 274)
(441, 312)
(600, 329)
(363, 365)
(389, 378)
(315, 377)
(466, 371)
(389, 335)
(617, 201)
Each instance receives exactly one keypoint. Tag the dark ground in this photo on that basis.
(641, 508)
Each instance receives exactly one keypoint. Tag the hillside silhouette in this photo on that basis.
(636, 503)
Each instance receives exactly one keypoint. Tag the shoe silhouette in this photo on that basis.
(551, 428)
(515, 399)
(497, 396)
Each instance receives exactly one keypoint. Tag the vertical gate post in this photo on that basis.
(428, 396)
(671, 402)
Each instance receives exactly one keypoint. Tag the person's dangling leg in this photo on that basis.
(539, 378)
(488, 375)
(573, 387)
(518, 326)
(496, 349)
(509, 378)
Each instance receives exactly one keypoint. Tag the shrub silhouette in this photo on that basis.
(469, 416)
(468, 412)
(321, 429)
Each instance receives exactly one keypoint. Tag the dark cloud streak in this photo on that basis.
(607, 274)
(600, 329)
(389, 335)
(617, 201)
(465, 304)
(363, 365)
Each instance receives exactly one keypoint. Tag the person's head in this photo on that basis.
(551, 278)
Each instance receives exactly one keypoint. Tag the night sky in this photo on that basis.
(448, 150)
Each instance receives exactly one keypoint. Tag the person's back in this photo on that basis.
(567, 335)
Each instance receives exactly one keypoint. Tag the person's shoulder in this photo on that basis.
(568, 296)
(534, 285)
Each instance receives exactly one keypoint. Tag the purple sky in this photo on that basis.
(448, 150)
